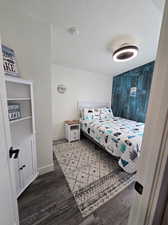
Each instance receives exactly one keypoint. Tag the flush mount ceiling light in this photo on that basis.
(125, 53)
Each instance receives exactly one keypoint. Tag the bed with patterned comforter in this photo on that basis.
(120, 137)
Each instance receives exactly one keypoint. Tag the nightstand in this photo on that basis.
(72, 130)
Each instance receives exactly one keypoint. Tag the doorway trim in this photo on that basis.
(152, 163)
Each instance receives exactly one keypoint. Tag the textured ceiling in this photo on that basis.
(101, 24)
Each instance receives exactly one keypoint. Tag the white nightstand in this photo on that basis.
(72, 130)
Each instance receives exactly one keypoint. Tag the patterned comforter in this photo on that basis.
(120, 137)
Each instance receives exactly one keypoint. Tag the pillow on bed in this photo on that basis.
(106, 113)
(88, 114)
(97, 113)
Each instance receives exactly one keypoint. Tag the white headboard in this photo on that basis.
(88, 104)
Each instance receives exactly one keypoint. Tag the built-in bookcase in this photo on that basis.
(23, 131)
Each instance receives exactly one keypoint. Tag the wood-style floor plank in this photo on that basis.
(49, 201)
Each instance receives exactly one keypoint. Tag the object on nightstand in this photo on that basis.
(72, 130)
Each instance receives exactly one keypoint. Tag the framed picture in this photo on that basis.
(14, 111)
(9, 62)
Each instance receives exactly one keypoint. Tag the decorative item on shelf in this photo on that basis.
(61, 88)
(14, 112)
(9, 62)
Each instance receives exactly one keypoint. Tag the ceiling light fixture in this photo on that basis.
(125, 53)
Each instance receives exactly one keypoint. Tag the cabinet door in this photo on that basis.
(24, 166)
(17, 177)
(27, 162)
(17, 164)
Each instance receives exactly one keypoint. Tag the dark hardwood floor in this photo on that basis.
(49, 201)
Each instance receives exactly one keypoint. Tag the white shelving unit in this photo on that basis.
(23, 132)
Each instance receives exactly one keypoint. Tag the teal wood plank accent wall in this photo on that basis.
(130, 93)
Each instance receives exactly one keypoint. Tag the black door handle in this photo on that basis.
(138, 187)
(22, 167)
(14, 152)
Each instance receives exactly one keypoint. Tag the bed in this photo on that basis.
(120, 137)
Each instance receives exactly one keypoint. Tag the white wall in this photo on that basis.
(81, 85)
(32, 42)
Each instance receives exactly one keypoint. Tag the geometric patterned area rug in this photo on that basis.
(93, 175)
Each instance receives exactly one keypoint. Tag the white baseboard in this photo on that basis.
(58, 138)
(46, 169)
(31, 180)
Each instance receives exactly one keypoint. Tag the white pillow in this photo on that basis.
(97, 113)
(106, 113)
(88, 113)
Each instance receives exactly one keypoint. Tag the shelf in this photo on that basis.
(19, 99)
(17, 80)
(21, 119)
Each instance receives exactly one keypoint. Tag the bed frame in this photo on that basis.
(87, 104)
(97, 145)
(84, 134)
